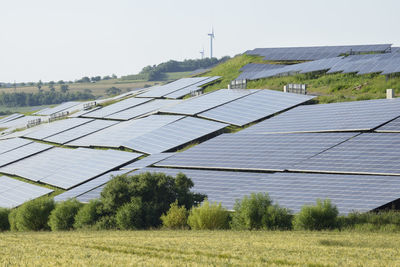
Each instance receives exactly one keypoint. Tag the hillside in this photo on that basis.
(329, 87)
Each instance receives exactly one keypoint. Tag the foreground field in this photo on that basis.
(180, 248)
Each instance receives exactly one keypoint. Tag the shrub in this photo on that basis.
(12, 219)
(4, 223)
(176, 217)
(257, 212)
(88, 214)
(62, 217)
(208, 217)
(34, 215)
(129, 216)
(382, 220)
(106, 222)
(323, 215)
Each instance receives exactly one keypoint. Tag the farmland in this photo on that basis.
(194, 248)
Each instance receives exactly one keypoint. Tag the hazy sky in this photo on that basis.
(68, 39)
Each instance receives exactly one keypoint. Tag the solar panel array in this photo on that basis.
(193, 106)
(147, 108)
(254, 107)
(14, 192)
(81, 189)
(80, 131)
(346, 116)
(315, 52)
(368, 153)
(22, 152)
(10, 118)
(251, 69)
(63, 167)
(116, 107)
(11, 144)
(18, 123)
(147, 161)
(386, 63)
(275, 152)
(163, 90)
(56, 127)
(56, 109)
(192, 88)
(117, 135)
(173, 135)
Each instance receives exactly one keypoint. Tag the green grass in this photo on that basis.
(328, 87)
(199, 248)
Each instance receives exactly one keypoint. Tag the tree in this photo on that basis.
(39, 85)
(64, 88)
(60, 82)
(156, 192)
(95, 78)
(113, 91)
(114, 76)
(84, 80)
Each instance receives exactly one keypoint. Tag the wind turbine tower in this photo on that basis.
(212, 36)
(202, 53)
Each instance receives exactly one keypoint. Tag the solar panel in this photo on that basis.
(368, 153)
(88, 186)
(80, 131)
(173, 135)
(254, 107)
(193, 106)
(14, 192)
(11, 117)
(116, 107)
(147, 161)
(392, 126)
(22, 152)
(64, 168)
(274, 152)
(347, 116)
(163, 90)
(56, 109)
(11, 144)
(192, 88)
(18, 123)
(56, 127)
(144, 109)
(116, 135)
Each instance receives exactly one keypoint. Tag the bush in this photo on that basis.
(106, 222)
(62, 217)
(4, 223)
(129, 216)
(208, 217)
(176, 217)
(12, 219)
(322, 216)
(257, 212)
(88, 214)
(372, 221)
(34, 215)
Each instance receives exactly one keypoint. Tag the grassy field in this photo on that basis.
(193, 248)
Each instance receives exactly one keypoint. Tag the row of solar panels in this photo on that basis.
(387, 63)
(315, 52)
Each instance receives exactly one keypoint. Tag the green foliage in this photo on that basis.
(322, 216)
(62, 216)
(372, 221)
(34, 215)
(257, 212)
(23, 99)
(176, 217)
(156, 191)
(113, 91)
(208, 217)
(4, 223)
(129, 216)
(106, 222)
(12, 219)
(88, 214)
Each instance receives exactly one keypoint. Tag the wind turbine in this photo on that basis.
(202, 53)
(212, 36)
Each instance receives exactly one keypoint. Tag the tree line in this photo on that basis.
(23, 99)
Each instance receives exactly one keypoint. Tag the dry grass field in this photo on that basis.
(199, 248)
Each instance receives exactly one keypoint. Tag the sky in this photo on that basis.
(68, 39)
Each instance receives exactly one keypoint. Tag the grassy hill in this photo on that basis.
(329, 87)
